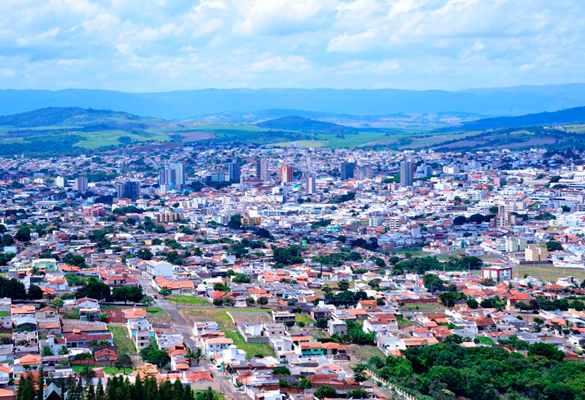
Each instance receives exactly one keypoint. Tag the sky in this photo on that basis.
(164, 45)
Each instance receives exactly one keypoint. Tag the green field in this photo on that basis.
(218, 315)
(121, 339)
(190, 300)
(304, 318)
(158, 316)
(548, 272)
(251, 349)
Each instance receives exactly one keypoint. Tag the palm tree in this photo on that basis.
(194, 355)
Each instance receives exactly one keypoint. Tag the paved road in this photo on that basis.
(182, 325)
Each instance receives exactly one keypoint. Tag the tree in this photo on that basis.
(546, 350)
(262, 301)
(449, 298)
(343, 285)
(165, 292)
(325, 391)
(94, 289)
(124, 362)
(74, 259)
(47, 351)
(289, 324)
(459, 220)
(57, 303)
(35, 292)
(218, 302)
(23, 234)
(357, 394)
(433, 283)
(472, 303)
(241, 278)
(194, 355)
(250, 301)
(321, 323)
(281, 371)
(553, 246)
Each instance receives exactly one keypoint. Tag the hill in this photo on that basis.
(304, 124)
(70, 117)
(570, 116)
(186, 104)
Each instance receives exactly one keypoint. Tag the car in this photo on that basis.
(155, 296)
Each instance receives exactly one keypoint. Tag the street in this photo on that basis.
(183, 326)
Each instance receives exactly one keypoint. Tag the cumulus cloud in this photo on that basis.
(175, 44)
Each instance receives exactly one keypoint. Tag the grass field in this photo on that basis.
(191, 300)
(158, 316)
(251, 349)
(304, 318)
(484, 340)
(363, 354)
(121, 339)
(217, 396)
(218, 315)
(424, 306)
(107, 370)
(548, 272)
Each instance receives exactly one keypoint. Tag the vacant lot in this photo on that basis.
(251, 349)
(363, 354)
(259, 317)
(158, 316)
(190, 300)
(121, 339)
(219, 315)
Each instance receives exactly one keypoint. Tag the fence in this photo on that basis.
(398, 392)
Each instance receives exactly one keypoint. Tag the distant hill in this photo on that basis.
(180, 105)
(71, 117)
(570, 116)
(304, 124)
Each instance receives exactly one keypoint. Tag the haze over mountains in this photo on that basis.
(191, 104)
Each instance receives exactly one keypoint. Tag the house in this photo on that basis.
(214, 346)
(283, 316)
(321, 313)
(336, 327)
(5, 372)
(105, 355)
(311, 349)
(383, 325)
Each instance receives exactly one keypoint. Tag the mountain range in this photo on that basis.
(574, 115)
(180, 105)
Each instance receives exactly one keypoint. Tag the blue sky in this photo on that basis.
(159, 45)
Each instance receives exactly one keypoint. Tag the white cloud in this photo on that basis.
(176, 44)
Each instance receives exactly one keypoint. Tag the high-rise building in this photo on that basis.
(128, 189)
(234, 170)
(347, 170)
(406, 173)
(311, 184)
(172, 175)
(81, 184)
(60, 181)
(365, 172)
(264, 169)
(286, 174)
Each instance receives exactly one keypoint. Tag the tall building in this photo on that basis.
(234, 170)
(406, 173)
(60, 182)
(128, 189)
(81, 184)
(286, 174)
(365, 172)
(311, 184)
(172, 175)
(347, 170)
(263, 173)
